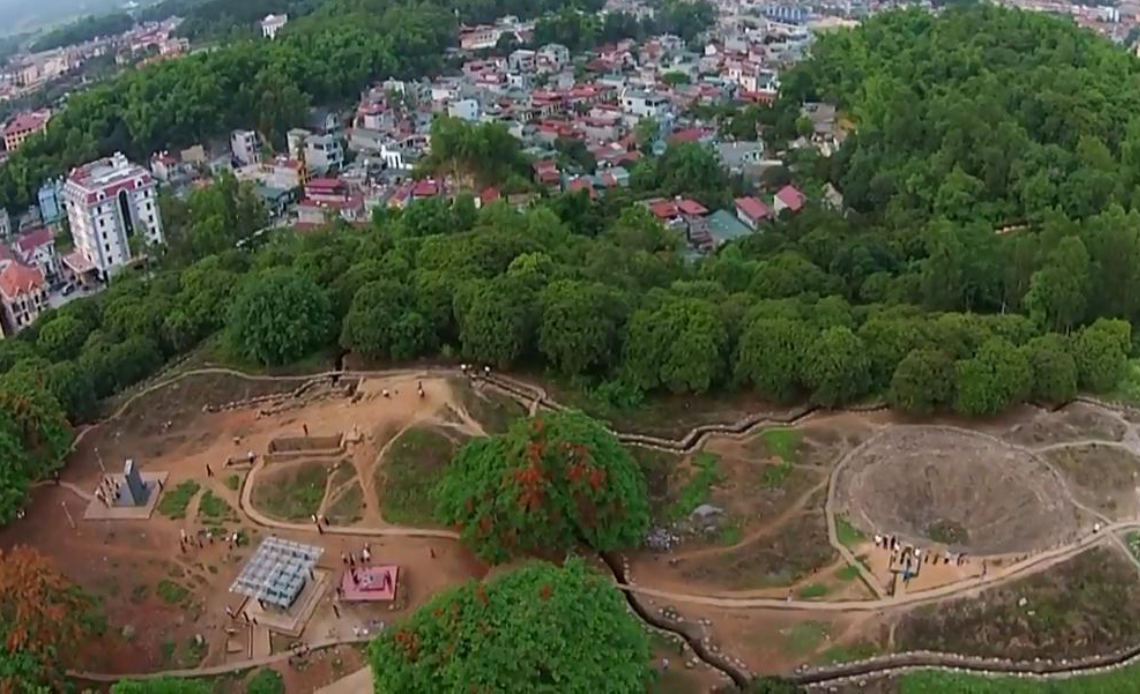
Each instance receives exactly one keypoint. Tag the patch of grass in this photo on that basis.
(171, 592)
(775, 475)
(805, 637)
(848, 534)
(232, 482)
(1121, 681)
(175, 501)
(493, 410)
(847, 573)
(293, 494)
(1132, 539)
(168, 647)
(730, 535)
(266, 681)
(782, 442)
(193, 654)
(846, 653)
(413, 467)
(214, 508)
(139, 593)
(347, 509)
(812, 592)
(696, 490)
(947, 532)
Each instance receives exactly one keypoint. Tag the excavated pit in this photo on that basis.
(936, 486)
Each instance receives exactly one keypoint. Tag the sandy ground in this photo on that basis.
(122, 562)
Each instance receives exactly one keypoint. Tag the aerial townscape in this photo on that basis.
(589, 346)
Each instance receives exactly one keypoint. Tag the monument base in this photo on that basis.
(155, 483)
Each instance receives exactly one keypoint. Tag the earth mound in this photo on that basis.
(931, 485)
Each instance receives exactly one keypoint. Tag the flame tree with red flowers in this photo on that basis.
(549, 484)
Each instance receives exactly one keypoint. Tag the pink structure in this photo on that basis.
(369, 584)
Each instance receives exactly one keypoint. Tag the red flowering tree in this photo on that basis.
(538, 629)
(545, 486)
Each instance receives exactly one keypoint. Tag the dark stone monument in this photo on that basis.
(134, 492)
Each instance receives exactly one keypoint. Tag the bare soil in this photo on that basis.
(1104, 477)
(1086, 606)
(915, 482)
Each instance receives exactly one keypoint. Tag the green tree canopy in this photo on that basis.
(550, 483)
(837, 368)
(1053, 367)
(1101, 353)
(998, 377)
(540, 628)
(923, 382)
(278, 317)
(680, 345)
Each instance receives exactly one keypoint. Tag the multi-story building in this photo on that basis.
(23, 295)
(272, 24)
(324, 154)
(245, 147)
(23, 126)
(109, 203)
(50, 198)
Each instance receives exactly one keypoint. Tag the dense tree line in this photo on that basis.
(580, 28)
(83, 30)
(326, 57)
(980, 114)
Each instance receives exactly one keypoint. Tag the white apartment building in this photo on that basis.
(245, 147)
(109, 202)
(272, 24)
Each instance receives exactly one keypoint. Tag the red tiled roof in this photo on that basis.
(664, 209)
(580, 184)
(325, 184)
(490, 195)
(17, 279)
(791, 197)
(753, 208)
(32, 241)
(27, 121)
(692, 208)
(687, 135)
(425, 189)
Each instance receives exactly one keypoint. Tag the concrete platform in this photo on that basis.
(120, 509)
(374, 584)
(292, 622)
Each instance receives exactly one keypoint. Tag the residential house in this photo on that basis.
(739, 156)
(37, 249)
(479, 38)
(245, 147)
(272, 24)
(752, 212)
(717, 229)
(464, 109)
(23, 295)
(522, 60)
(640, 104)
(24, 125)
(50, 200)
(546, 174)
(324, 154)
(552, 57)
(832, 198)
(788, 198)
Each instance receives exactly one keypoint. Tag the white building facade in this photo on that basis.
(109, 202)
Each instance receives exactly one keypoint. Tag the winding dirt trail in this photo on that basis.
(534, 398)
